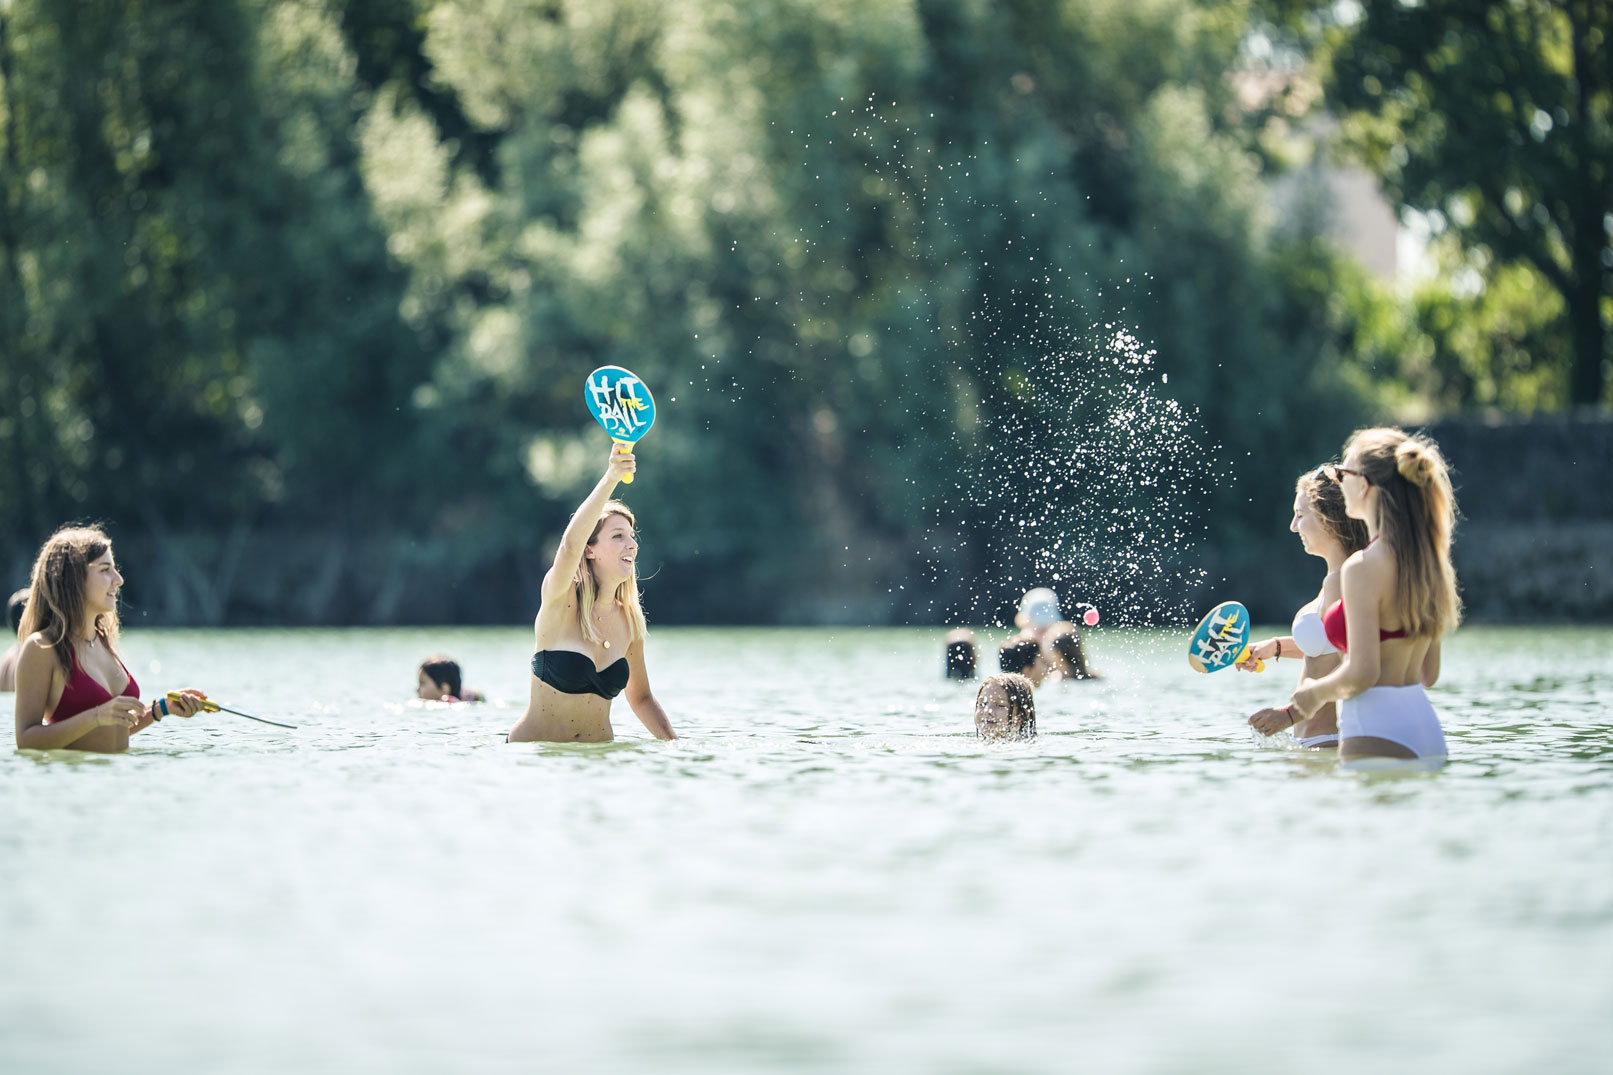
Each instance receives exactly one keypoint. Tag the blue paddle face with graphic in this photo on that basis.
(621, 404)
(1221, 640)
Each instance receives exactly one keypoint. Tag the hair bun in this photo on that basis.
(1414, 461)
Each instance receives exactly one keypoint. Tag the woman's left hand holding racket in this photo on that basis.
(184, 703)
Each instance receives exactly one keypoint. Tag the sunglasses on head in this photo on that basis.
(1337, 473)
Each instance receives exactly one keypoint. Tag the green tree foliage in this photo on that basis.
(1497, 119)
(323, 283)
(206, 306)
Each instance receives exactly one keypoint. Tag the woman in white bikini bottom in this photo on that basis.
(1401, 715)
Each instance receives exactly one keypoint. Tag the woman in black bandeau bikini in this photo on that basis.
(590, 628)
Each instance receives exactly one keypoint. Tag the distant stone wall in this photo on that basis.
(1535, 541)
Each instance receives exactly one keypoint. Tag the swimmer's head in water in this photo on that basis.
(438, 676)
(1005, 708)
(1039, 608)
(14, 607)
(1018, 654)
(1071, 661)
(960, 659)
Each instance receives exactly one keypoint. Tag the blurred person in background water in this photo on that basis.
(1327, 531)
(1398, 600)
(960, 654)
(8, 659)
(73, 690)
(439, 679)
(590, 613)
(1020, 656)
(1058, 641)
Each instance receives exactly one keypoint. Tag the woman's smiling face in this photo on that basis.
(614, 550)
(101, 585)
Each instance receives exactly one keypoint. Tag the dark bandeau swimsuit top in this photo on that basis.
(570, 672)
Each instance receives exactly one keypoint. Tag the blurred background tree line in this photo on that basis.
(298, 296)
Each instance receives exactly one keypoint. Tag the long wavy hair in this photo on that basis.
(586, 584)
(55, 607)
(1324, 497)
(1416, 519)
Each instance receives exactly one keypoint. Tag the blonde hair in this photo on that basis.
(1324, 497)
(56, 592)
(1416, 519)
(587, 585)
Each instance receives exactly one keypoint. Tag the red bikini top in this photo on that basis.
(1333, 624)
(83, 692)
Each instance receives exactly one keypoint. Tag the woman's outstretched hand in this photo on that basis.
(1260, 651)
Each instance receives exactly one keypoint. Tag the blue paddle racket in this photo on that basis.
(1221, 639)
(620, 403)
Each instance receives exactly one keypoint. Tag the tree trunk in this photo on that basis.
(1588, 241)
(1587, 379)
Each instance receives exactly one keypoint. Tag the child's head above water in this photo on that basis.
(438, 678)
(960, 654)
(1005, 708)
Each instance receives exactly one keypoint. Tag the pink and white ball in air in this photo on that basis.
(1090, 617)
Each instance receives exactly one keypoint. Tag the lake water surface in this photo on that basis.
(826, 873)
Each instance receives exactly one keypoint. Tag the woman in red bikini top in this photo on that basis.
(1337, 630)
(1397, 484)
(73, 690)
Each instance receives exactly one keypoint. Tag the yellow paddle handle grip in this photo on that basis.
(1260, 666)
(623, 448)
(208, 705)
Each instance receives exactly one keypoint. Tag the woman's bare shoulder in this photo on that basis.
(1372, 566)
(36, 654)
(37, 643)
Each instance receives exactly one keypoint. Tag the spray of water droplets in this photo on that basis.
(1088, 480)
(1081, 473)
(1029, 428)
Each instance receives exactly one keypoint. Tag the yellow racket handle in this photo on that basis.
(1260, 666)
(623, 448)
(208, 705)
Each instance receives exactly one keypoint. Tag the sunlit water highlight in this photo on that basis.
(826, 873)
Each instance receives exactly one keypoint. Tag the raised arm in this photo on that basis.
(568, 557)
(640, 697)
(37, 670)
